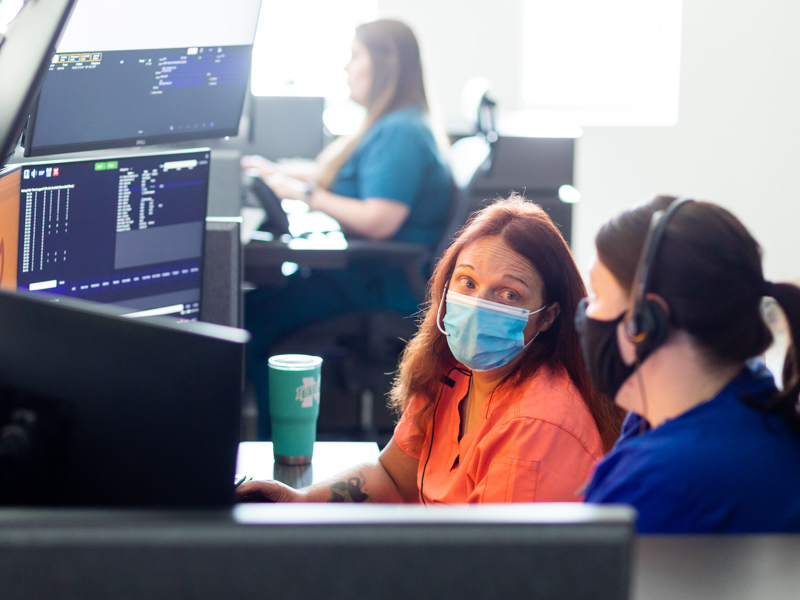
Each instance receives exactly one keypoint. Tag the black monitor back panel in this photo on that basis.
(25, 51)
(287, 127)
(493, 552)
(141, 89)
(116, 411)
(127, 231)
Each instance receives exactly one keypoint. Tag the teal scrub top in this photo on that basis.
(398, 159)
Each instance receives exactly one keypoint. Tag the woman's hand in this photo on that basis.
(287, 187)
(391, 478)
(264, 167)
(268, 491)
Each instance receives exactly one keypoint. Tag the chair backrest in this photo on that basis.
(535, 167)
(468, 156)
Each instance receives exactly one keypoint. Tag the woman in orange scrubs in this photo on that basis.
(497, 405)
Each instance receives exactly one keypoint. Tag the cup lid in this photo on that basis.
(294, 362)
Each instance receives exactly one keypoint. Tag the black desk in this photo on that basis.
(756, 567)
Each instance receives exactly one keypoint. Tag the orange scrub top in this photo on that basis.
(535, 443)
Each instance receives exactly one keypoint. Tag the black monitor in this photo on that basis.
(127, 230)
(143, 72)
(535, 551)
(287, 126)
(25, 50)
(100, 410)
(341, 551)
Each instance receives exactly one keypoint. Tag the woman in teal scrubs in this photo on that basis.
(387, 182)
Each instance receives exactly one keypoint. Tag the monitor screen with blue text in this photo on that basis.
(127, 231)
(133, 73)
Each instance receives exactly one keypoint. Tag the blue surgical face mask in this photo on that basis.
(483, 335)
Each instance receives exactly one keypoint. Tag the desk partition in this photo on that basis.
(320, 551)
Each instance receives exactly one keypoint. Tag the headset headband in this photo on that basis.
(658, 226)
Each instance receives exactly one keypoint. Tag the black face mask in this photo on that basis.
(601, 351)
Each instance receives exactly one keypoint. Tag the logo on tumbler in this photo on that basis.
(308, 392)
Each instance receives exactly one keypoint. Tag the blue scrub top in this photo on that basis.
(398, 159)
(721, 467)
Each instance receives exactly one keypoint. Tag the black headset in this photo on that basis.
(647, 323)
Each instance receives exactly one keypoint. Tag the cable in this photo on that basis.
(445, 381)
(640, 379)
(446, 361)
(433, 433)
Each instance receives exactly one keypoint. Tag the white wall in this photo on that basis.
(462, 39)
(737, 141)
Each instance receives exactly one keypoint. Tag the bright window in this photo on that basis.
(8, 11)
(302, 46)
(301, 49)
(603, 62)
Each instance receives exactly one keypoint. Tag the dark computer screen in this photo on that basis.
(172, 70)
(127, 231)
(100, 410)
(287, 127)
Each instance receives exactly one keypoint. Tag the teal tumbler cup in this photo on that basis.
(294, 406)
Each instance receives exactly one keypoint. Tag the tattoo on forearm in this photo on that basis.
(354, 489)
(349, 491)
(338, 490)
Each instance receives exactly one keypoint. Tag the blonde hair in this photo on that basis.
(397, 82)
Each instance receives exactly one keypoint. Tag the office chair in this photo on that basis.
(534, 166)
(361, 350)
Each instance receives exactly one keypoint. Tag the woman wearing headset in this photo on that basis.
(387, 182)
(710, 444)
(497, 405)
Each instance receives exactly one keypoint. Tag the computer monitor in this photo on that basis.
(26, 45)
(287, 127)
(101, 410)
(142, 72)
(391, 552)
(127, 230)
(500, 551)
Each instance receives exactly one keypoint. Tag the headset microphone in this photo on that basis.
(647, 323)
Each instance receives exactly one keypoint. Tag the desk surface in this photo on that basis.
(255, 459)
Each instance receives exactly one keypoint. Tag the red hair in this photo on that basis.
(528, 230)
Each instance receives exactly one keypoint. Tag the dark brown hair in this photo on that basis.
(530, 232)
(397, 82)
(708, 270)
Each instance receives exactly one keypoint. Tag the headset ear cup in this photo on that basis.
(654, 324)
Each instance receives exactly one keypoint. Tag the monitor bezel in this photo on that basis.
(29, 132)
